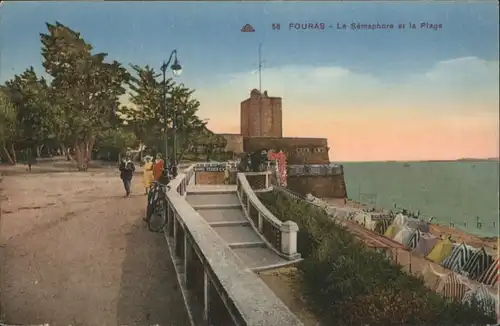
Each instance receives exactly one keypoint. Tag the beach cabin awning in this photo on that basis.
(477, 264)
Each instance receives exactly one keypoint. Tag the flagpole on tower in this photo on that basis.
(260, 67)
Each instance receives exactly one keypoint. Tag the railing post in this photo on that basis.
(176, 231)
(289, 231)
(267, 179)
(206, 296)
(260, 222)
(187, 257)
(168, 217)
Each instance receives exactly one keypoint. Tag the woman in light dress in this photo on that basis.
(147, 174)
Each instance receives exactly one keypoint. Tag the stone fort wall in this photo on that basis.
(298, 150)
(321, 186)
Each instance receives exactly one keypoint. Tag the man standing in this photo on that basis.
(127, 169)
(227, 172)
(29, 158)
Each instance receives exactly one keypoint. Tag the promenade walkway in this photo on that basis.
(75, 251)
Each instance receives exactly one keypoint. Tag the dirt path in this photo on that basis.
(74, 251)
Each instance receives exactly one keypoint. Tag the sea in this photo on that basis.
(459, 193)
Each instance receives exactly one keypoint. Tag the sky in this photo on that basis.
(401, 94)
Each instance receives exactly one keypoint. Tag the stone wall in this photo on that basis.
(213, 178)
(298, 150)
(261, 116)
(209, 178)
(332, 186)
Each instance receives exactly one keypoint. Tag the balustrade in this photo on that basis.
(281, 236)
(258, 180)
(217, 288)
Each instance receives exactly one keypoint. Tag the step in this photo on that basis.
(261, 258)
(239, 245)
(212, 199)
(237, 234)
(222, 215)
(229, 223)
(216, 206)
(208, 189)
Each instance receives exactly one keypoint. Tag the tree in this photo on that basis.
(7, 127)
(147, 117)
(85, 89)
(210, 141)
(116, 141)
(34, 115)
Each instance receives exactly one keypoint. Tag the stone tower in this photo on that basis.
(261, 116)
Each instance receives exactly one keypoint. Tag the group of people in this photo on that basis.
(153, 171)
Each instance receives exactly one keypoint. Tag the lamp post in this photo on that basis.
(176, 70)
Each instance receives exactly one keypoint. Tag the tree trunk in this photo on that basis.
(182, 153)
(69, 157)
(83, 154)
(79, 157)
(39, 150)
(14, 156)
(89, 146)
(9, 157)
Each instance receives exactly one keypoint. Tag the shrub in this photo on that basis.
(346, 283)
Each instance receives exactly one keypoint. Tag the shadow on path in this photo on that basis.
(149, 293)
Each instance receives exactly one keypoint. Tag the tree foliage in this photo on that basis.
(29, 95)
(76, 106)
(118, 139)
(84, 87)
(347, 283)
(7, 126)
(148, 117)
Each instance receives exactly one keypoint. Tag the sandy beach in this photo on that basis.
(490, 243)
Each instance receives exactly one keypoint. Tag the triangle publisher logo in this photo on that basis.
(247, 28)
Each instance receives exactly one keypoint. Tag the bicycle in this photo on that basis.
(156, 210)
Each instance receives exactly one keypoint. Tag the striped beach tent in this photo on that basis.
(402, 220)
(477, 264)
(451, 287)
(490, 276)
(403, 235)
(425, 245)
(458, 258)
(413, 239)
(483, 297)
(382, 225)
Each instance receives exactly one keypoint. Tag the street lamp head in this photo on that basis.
(176, 68)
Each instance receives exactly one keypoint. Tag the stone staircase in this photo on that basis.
(220, 207)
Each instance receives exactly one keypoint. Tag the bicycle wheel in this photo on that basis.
(150, 204)
(158, 218)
